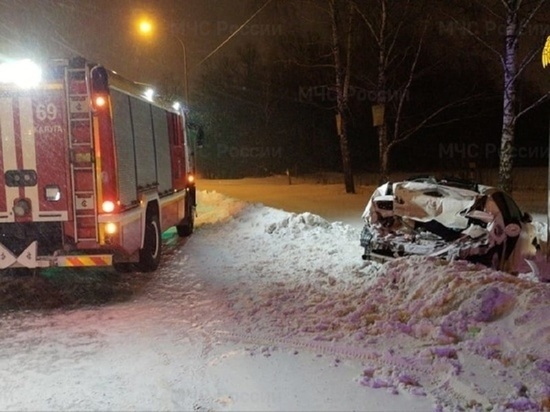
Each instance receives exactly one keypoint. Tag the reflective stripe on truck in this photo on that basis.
(80, 261)
(29, 259)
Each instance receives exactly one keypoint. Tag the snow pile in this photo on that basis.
(307, 224)
(278, 245)
(217, 207)
(295, 224)
(466, 334)
(458, 296)
(261, 309)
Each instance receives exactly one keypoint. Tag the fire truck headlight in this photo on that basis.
(108, 206)
(23, 73)
(22, 207)
(111, 228)
(100, 101)
(53, 194)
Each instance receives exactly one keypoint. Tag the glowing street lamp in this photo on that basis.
(145, 27)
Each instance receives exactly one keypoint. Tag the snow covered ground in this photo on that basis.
(264, 309)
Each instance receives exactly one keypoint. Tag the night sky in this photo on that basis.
(105, 31)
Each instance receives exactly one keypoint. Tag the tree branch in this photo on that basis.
(542, 99)
(427, 119)
(347, 74)
(406, 87)
(527, 60)
(530, 16)
(368, 23)
(506, 5)
(478, 38)
(488, 9)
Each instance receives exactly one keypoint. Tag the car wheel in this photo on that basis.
(493, 259)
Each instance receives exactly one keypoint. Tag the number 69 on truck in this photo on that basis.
(92, 169)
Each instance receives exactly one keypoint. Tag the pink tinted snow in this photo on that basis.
(470, 316)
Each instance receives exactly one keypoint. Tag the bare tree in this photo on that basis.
(518, 16)
(398, 51)
(515, 28)
(385, 36)
(342, 65)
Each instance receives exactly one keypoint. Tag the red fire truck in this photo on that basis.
(92, 171)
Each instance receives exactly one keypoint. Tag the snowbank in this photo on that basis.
(469, 336)
(261, 309)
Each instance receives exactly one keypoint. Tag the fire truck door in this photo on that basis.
(177, 151)
(34, 163)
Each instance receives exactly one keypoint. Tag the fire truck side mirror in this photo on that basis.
(99, 79)
(200, 137)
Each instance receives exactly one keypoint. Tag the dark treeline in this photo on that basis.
(457, 80)
(269, 107)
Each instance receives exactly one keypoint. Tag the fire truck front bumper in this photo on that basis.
(29, 259)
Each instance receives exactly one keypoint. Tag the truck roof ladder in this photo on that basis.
(81, 144)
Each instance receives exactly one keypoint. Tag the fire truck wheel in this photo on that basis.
(149, 256)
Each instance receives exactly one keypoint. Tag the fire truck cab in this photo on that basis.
(92, 171)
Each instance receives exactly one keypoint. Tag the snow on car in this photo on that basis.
(447, 218)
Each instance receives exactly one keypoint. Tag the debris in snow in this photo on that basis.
(543, 365)
(445, 352)
(408, 380)
(522, 404)
(494, 304)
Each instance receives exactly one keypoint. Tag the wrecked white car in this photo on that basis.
(451, 219)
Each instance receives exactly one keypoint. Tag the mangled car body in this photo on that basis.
(447, 218)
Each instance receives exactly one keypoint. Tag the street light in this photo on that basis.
(185, 78)
(145, 27)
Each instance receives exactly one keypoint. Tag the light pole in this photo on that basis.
(146, 28)
(185, 78)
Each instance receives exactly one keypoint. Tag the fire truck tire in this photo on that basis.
(188, 224)
(149, 256)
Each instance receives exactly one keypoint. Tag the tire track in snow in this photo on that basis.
(437, 378)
